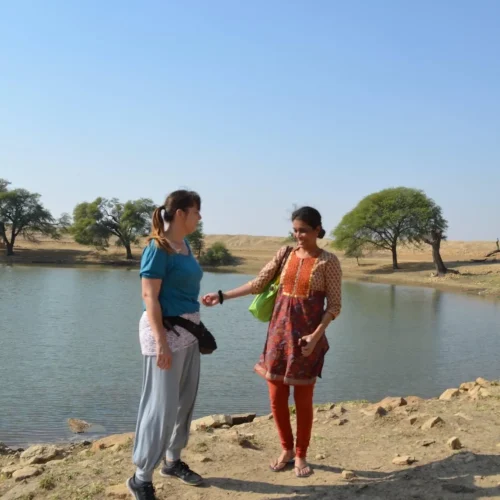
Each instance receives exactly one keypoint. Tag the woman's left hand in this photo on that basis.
(308, 344)
(210, 299)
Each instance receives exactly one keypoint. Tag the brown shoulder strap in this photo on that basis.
(282, 262)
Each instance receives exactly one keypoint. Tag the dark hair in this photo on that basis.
(311, 217)
(178, 200)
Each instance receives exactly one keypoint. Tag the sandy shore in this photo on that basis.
(253, 252)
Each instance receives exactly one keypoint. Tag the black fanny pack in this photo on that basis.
(206, 340)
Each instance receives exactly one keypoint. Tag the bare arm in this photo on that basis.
(333, 284)
(256, 286)
(241, 291)
(325, 321)
(212, 299)
(150, 292)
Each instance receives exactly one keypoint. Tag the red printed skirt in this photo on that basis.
(282, 359)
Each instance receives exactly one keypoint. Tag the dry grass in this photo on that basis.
(254, 251)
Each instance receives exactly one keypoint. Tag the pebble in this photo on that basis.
(340, 421)
(348, 475)
(454, 443)
(428, 442)
(432, 422)
(404, 460)
(320, 456)
(374, 411)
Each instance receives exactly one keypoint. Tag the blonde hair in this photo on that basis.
(178, 200)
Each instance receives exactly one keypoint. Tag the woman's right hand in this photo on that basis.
(163, 354)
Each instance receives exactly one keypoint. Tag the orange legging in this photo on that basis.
(279, 394)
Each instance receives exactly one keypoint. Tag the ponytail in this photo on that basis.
(158, 231)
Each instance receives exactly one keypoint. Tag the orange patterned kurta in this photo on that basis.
(299, 309)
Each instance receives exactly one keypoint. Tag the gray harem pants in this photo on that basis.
(165, 410)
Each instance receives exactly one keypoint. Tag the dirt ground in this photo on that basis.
(252, 252)
(355, 440)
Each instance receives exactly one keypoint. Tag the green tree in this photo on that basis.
(218, 255)
(22, 213)
(3, 188)
(433, 232)
(388, 218)
(4, 185)
(97, 222)
(197, 240)
(354, 252)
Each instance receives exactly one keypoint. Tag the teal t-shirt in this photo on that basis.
(181, 277)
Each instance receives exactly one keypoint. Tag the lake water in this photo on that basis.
(69, 348)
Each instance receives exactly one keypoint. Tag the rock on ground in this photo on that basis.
(374, 411)
(467, 386)
(244, 418)
(211, 422)
(449, 394)
(26, 473)
(40, 454)
(454, 443)
(404, 460)
(432, 422)
(348, 475)
(116, 440)
(78, 426)
(391, 403)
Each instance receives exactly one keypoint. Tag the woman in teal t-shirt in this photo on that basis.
(170, 278)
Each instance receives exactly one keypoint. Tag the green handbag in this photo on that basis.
(262, 305)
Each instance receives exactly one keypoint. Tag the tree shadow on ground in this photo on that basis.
(458, 477)
(69, 257)
(429, 266)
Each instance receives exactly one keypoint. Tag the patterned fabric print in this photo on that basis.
(297, 279)
(299, 309)
(326, 276)
(176, 343)
(282, 359)
(263, 279)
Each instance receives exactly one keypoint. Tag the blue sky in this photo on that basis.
(257, 105)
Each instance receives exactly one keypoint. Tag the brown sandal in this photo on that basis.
(279, 466)
(300, 474)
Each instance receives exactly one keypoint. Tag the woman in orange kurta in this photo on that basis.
(296, 344)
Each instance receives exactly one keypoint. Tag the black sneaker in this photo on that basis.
(181, 471)
(140, 490)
